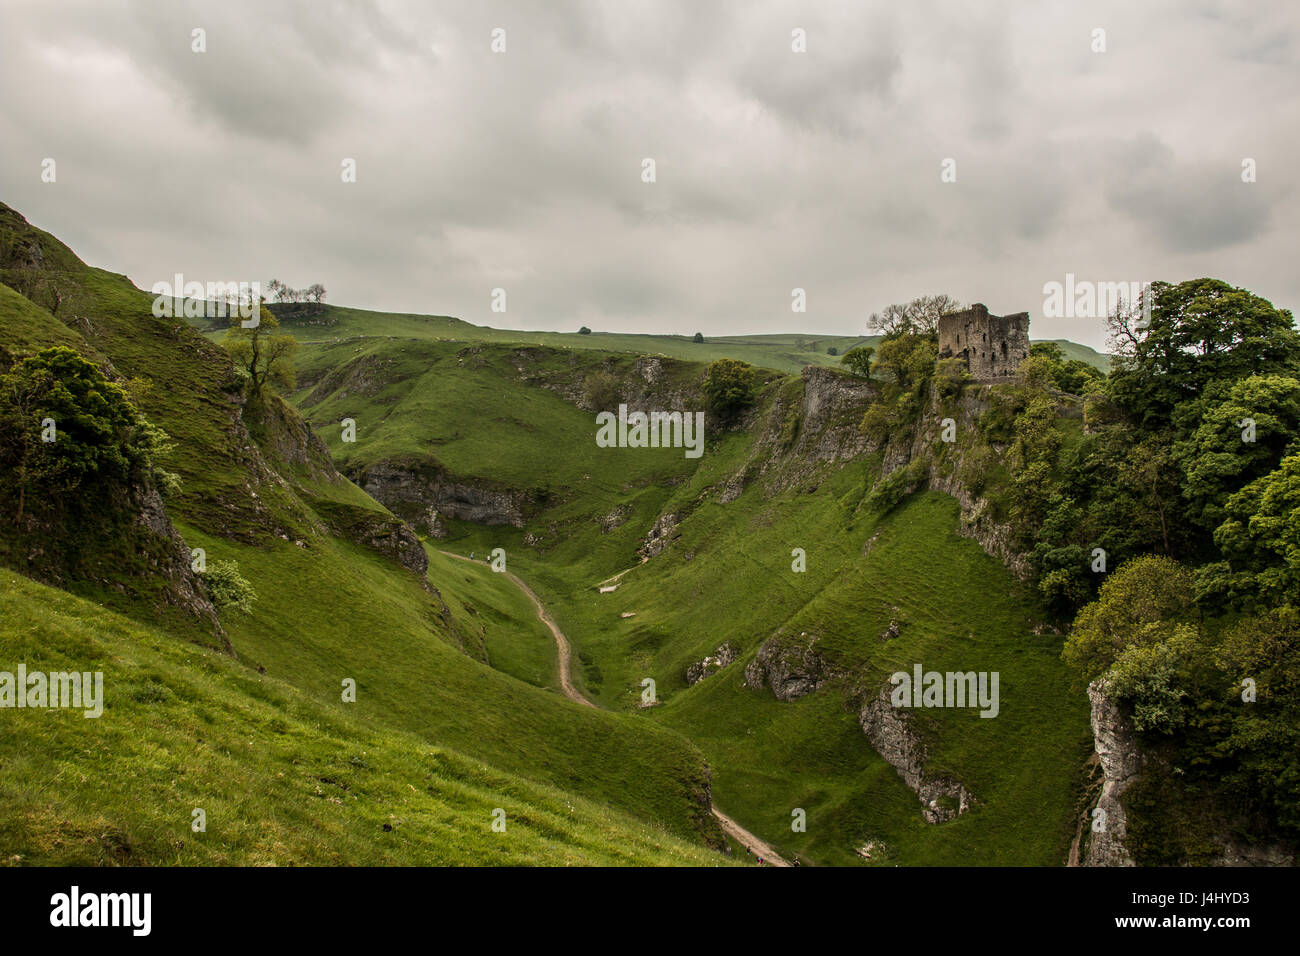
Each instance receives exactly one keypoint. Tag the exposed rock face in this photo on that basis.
(615, 519)
(804, 429)
(1121, 762)
(394, 539)
(792, 670)
(172, 561)
(1124, 761)
(887, 729)
(833, 404)
(950, 473)
(664, 531)
(720, 658)
(411, 490)
(290, 440)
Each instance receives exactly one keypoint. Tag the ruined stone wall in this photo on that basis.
(992, 346)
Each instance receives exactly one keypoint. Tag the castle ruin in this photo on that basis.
(992, 346)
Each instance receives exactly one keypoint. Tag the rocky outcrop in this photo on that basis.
(942, 798)
(1125, 762)
(720, 658)
(833, 405)
(172, 563)
(615, 519)
(663, 532)
(414, 491)
(1121, 762)
(392, 537)
(791, 668)
(809, 424)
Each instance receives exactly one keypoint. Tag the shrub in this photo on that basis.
(228, 588)
(729, 385)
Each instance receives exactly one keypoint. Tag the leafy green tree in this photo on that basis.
(1259, 754)
(601, 391)
(262, 353)
(698, 338)
(729, 385)
(1201, 332)
(1143, 603)
(858, 360)
(907, 361)
(1260, 540)
(1048, 350)
(97, 433)
(950, 377)
(584, 331)
(1239, 438)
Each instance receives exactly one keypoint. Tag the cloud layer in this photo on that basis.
(775, 169)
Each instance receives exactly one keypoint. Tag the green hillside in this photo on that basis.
(493, 415)
(281, 777)
(785, 352)
(335, 598)
(238, 554)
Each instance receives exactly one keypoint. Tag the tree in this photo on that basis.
(584, 331)
(699, 337)
(1241, 436)
(1142, 604)
(262, 354)
(729, 385)
(832, 350)
(1200, 332)
(1068, 375)
(918, 317)
(98, 435)
(858, 360)
(601, 391)
(1260, 539)
(907, 361)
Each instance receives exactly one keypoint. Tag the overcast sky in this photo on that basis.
(774, 169)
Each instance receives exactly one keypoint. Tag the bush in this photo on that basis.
(729, 385)
(600, 391)
(228, 588)
(889, 491)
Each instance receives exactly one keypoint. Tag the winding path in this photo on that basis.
(733, 829)
(561, 642)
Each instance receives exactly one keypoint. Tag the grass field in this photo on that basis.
(282, 777)
(785, 351)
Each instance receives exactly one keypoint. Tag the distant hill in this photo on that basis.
(784, 351)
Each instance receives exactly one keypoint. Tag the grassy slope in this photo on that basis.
(728, 578)
(784, 352)
(330, 609)
(432, 404)
(283, 778)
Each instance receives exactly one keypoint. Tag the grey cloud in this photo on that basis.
(775, 169)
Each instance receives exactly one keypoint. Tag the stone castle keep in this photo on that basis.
(992, 346)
